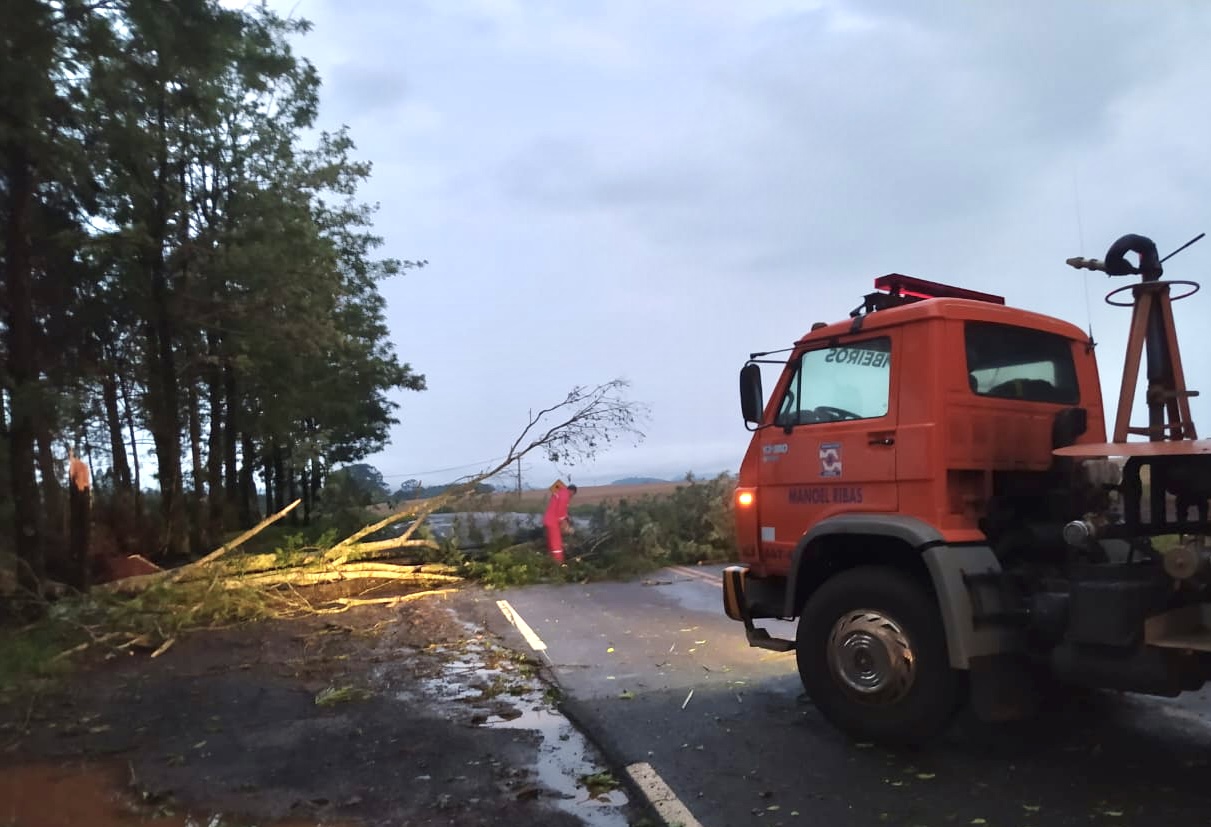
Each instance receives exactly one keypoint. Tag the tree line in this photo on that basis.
(183, 257)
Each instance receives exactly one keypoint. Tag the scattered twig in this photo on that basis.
(164, 647)
(67, 653)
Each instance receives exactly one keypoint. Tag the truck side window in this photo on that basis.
(1009, 362)
(852, 381)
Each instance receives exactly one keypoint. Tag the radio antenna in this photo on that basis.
(1184, 246)
(1080, 234)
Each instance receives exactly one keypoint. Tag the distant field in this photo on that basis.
(533, 501)
(585, 495)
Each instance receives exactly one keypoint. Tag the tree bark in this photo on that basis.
(18, 283)
(117, 447)
(305, 486)
(235, 485)
(164, 398)
(52, 494)
(165, 429)
(198, 498)
(267, 472)
(247, 501)
(129, 415)
(316, 481)
(215, 450)
(6, 488)
(279, 478)
(307, 576)
(292, 490)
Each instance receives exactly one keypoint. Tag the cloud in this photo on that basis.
(361, 89)
(655, 190)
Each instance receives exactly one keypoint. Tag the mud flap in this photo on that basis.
(735, 606)
(955, 571)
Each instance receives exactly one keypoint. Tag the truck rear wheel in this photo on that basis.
(871, 651)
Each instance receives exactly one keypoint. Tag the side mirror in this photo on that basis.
(752, 401)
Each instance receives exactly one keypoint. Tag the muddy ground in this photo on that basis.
(405, 715)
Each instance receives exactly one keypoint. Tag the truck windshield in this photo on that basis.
(852, 381)
(1009, 362)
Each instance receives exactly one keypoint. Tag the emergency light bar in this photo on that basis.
(896, 284)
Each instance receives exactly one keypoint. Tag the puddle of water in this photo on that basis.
(48, 795)
(564, 754)
(563, 759)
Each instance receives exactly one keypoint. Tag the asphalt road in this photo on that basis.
(748, 748)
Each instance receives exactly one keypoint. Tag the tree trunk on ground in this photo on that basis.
(80, 495)
(141, 582)
(18, 283)
(113, 420)
(235, 485)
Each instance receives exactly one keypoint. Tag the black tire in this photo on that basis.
(919, 703)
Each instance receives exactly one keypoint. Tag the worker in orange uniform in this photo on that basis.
(555, 517)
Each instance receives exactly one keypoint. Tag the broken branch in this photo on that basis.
(344, 604)
(236, 543)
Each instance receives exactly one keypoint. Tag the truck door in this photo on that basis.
(833, 447)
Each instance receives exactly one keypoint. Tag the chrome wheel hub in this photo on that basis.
(870, 655)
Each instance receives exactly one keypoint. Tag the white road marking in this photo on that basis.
(513, 617)
(666, 802)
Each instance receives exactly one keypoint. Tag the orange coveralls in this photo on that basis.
(556, 513)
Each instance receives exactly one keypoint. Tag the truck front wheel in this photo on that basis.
(872, 656)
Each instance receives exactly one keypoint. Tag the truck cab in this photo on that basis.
(902, 497)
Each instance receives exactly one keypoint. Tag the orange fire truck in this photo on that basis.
(931, 492)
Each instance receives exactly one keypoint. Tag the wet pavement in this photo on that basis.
(657, 675)
(480, 683)
(382, 715)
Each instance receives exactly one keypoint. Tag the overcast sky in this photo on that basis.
(651, 190)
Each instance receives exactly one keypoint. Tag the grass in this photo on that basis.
(170, 609)
(332, 696)
(38, 652)
(32, 653)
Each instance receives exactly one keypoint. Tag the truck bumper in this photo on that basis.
(735, 606)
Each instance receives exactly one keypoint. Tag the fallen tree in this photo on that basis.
(570, 431)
